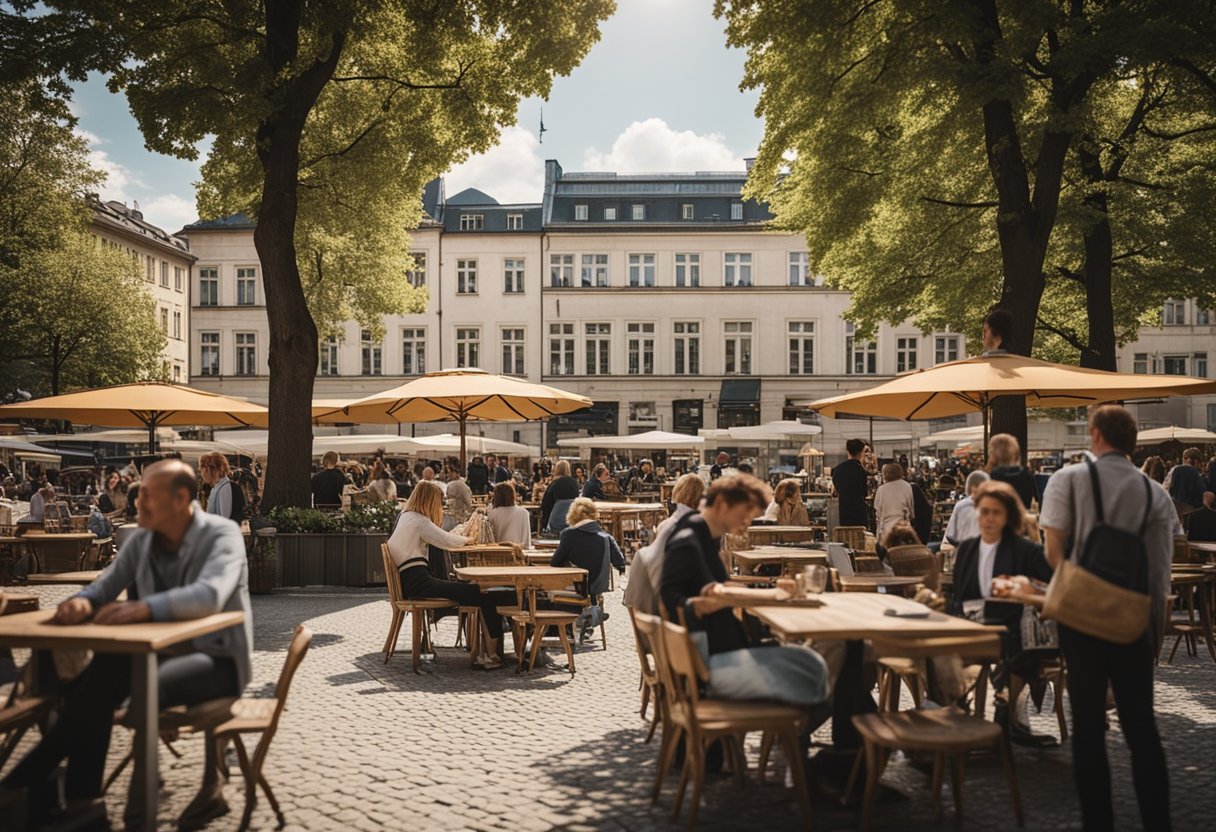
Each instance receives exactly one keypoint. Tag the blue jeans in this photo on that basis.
(791, 674)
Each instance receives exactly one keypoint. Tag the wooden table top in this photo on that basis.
(764, 527)
(545, 577)
(618, 507)
(860, 615)
(34, 630)
(1202, 546)
(750, 556)
(538, 558)
(82, 578)
(18, 602)
(53, 536)
(881, 580)
(540, 543)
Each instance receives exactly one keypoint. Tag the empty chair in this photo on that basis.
(914, 559)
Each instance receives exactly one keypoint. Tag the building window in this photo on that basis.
(149, 268)
(686, 211)
(413, 351)
(905, 353)
(1203, 317)
(1199, 365)
(468, 347)
(802, 348)
(177, 373)
(512, 352)
(1212, 417)
(639, 338)
(179, 279)
(561, 349)
(472, 222)
(164, 273)
(328, 365)
(246, 353)
(561, 270)
(466, 277)
(688, 270)
(246, 286)
(515, 222)
(580, 213)
(209, 354)
(513, 276)
(861, 356)
(598, 343)
(610, 214)
(639, 213)
(800, 269)
(688, 348)
(594, 270)
(164, 320)
(1174, 313)
(738, 269)
(736, 210)
(177, 324)
(945, 348)
(1174, 365)
(372, 351)
(1140, 363)
(738, 347)
(644, 412)
(641, 270)
(208, 287)
(417, 275)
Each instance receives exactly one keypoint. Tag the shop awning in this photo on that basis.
(739, 391)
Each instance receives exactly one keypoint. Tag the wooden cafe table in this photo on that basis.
(749, 560)
(862, 615)
(873, 582)
(759, 535)
(1206, 548)
(541, 577)
(76, 578)
(33, 630)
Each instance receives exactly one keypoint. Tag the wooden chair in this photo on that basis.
(261, 717)
(703, 721)
(504, 557)
(22, 710)
(1188, 588)
(418, 609)
(854, 537)
(1182, 550)
(902, 662)
(539, 622)
(173, 724)
(644, 635)
(946, 731)
(915, 559)
(867, 565)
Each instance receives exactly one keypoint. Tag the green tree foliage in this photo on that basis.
(81, 318)
(925, 144)
(326, 118)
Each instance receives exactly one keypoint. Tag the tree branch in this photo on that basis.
(351, 146)
(1068, 335)
(1200, 75)
(1071, 274)
(406, 84)
(859, 170)
(1169, 136)
(952, 204)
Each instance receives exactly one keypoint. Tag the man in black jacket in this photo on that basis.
(851, 481)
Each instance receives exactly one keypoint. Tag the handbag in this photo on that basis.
(1085, 596)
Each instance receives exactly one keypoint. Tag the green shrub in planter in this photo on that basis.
(304, 521)
(373, 518)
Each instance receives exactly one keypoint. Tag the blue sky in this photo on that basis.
(658, 92)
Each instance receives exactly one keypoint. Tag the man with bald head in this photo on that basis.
(181, 564)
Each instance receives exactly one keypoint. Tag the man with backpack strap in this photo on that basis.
(1125, 519)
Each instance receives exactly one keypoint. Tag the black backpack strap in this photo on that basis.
(1097, 489)
(1148, 505)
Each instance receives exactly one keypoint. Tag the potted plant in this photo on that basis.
(262, 561)
(368, 527)
(304, 537)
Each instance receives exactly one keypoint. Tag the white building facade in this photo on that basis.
(165, 262)
(665, 298)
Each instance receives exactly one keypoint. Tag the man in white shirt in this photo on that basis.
(963, 523)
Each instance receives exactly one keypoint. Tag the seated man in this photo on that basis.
(695, 581)
(1201, 525)
(181, 564)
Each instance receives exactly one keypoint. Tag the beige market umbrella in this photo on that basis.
(1172, 433)
(460, 396)
(147, 404)
(971, 384)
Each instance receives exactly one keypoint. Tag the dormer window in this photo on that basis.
(580, 213)
(639, 213)
(686, 211)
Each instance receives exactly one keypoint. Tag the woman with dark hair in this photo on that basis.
(1154, 469)
(645, 479)
(998, 553)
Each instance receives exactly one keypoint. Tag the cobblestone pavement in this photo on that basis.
(364, 745)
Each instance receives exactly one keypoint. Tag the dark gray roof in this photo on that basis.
(472, 196)
(118, 217)
(232, 222)
(494, 217)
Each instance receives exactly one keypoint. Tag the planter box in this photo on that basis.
(329, 559)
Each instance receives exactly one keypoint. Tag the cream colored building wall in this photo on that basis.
(171, 298)
(1196, 334)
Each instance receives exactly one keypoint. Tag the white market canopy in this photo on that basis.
(970, 433)
(255, 443)
(651, 440)
(450, 443)
(767, 432)
(1176, 434)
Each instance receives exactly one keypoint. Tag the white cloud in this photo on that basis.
(120, 180)
(512, 171)
(651, 146)
(169, 211)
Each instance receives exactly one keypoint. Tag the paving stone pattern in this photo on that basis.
(364, 745)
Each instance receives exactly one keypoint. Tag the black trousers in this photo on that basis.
(418, 582)
(82, 732)
(1128, 668)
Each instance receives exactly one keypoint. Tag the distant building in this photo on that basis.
(666, 298)
(164, 261)
(1181, 345)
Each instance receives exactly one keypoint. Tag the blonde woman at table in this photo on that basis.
(787, 508)
(418, 525)
(511, 523)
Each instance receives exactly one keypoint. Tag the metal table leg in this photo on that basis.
(146, 708)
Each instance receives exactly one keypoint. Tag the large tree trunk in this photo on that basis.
(1099, 353)
(293, 334)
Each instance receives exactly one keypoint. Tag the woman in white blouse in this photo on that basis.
(511, 523)
(893, 500)
(417, 526)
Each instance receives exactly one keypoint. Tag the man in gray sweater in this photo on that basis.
(181, 564)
